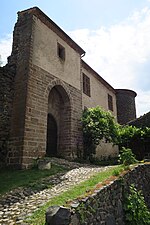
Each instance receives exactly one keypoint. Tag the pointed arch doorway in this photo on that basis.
(51, 136)
(58, 123)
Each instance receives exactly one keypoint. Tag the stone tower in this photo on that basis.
(126, 110)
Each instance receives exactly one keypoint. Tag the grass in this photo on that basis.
(38, 218)
(11, 179)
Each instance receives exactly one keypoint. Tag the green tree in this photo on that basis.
(134, 138)
(97, 125)
(128, 134)
(100, 125)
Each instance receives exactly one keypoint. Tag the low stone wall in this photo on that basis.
(105, 205)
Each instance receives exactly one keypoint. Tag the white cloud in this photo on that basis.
(5, 48)
(143, 101)
(119, 51)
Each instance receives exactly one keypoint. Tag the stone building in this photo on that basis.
(44, 88)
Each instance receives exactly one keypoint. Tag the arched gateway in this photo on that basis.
(58, 122)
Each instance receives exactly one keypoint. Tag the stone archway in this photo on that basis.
(59, 118)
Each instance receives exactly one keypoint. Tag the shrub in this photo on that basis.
(117, 171)
(126, 157)
(136, 211)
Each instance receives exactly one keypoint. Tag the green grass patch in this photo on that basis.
(38, 218)
(11, 179)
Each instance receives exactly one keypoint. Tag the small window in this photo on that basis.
(110, 102)
(61, 52)
(86, 85)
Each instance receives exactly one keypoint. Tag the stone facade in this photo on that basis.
(99, 91)
(47, 92)
(105, 205)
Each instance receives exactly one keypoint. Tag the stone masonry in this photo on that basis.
(42, 95)
(125, 105)
(6, 98)
(30, 104)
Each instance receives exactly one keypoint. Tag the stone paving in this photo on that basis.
(16, 205)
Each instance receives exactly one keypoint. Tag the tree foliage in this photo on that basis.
(135, 138)
(97, 125)
(128, 134)
(100, 125)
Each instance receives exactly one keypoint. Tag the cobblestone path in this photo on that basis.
(18, 204)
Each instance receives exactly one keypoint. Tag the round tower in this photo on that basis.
(126, 110)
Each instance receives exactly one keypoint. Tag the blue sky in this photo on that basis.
(114, 33)
(72, 14)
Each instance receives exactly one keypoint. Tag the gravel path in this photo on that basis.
(20, 203)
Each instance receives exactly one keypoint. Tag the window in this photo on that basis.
(110, 102)
(86, 85)
(61, 52)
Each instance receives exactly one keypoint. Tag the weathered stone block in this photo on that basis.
(56, 215)
(44, 164)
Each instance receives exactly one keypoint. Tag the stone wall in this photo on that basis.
(45, 54)
(99, 90)
(142, 121)
(105, 205)
(20, 58)
(6, 98)
(41, 85)
(32, 87)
